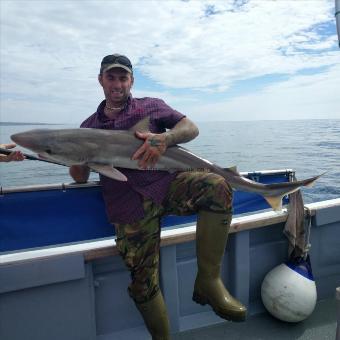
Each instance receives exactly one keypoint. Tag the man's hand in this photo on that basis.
(13, 156)
(152, 149)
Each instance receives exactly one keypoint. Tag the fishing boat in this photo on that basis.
(61, 276)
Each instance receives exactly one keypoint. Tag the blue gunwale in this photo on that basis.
(39, 216)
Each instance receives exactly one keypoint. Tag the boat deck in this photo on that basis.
(321, 325)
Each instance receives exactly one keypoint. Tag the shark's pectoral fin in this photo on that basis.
(108, 171)
(275, 202)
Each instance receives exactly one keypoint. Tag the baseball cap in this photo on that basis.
(115, 60)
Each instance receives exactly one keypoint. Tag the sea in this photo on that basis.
(309, 147)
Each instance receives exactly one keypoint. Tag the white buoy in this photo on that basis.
(289, 293)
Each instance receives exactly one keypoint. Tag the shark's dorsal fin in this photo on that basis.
(142, 125)
(233, 169)
(108, 171)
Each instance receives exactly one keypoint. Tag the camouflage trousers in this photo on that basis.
(139, 243)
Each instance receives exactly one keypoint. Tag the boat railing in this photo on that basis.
(97, 249)
(72, 185)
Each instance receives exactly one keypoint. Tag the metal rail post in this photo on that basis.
(337, 337)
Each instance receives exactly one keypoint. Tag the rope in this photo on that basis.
(308, 226)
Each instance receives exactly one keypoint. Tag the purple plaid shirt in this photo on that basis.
(124, 200)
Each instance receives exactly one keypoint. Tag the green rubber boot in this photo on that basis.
(155, 317)
(211, 238)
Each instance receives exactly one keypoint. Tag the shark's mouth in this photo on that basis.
(47, 157)
(42, 156)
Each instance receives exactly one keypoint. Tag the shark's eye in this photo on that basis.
(49, 151)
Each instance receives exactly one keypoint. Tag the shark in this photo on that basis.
(106, 150)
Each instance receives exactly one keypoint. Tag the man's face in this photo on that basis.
(116, 84)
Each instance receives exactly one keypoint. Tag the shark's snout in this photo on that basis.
(27, 140)
(20, 138)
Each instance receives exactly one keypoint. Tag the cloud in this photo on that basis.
(50, 57)
(166, 96)
(258, 39)
(299, 97)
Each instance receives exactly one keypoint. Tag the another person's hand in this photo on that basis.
(152, 149)
(13, 156)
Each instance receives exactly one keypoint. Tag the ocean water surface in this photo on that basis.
(310, 147)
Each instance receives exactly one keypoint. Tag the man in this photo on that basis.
(13, 156)
(136, 206)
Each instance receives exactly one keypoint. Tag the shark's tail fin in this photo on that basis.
(276, 201)
(310, 181)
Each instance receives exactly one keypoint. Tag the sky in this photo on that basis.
(211, 60)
